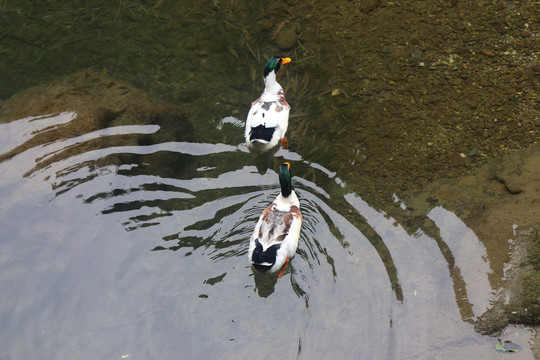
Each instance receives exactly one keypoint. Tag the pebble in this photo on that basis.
(286, 39)
(417, 54)
(484, 81)
(326, 115)
(458, 160)
(486, 52)
(368, 5)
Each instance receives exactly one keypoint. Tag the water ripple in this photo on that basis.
(143, 246)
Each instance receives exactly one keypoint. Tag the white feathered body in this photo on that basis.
(276, 234)
(268, 118)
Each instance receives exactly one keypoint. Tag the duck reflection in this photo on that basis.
(265, 283)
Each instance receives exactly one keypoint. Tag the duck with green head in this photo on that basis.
(275, 238)
(268, 117)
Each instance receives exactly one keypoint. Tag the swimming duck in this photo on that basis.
(268, 117)
(276, 234)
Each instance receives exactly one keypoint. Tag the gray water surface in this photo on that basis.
(116, 252)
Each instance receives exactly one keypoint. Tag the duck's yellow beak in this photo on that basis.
(286, 163)
(285, 60)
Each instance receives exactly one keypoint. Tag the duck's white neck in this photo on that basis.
(284, 203)
(271, 86)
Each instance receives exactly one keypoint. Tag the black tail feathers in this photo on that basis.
(264, 260)
(261, 133)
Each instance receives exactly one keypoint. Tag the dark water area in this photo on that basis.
(392, 94)
(127, 237)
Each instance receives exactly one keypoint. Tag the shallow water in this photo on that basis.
(115, 250)
(101, 260)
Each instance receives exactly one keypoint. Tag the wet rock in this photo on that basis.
(516, 173)
(484, 81)
(342, 101)
(286, 39)
(473, 152)
(492, 321)
(458, 159)
(99, 101)
(457, 81)
(368, 5)
(417, 54)
(460, 26)
(399, 52)
(487, 52)
(327, 115)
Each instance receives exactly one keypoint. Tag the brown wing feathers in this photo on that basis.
(275, 221)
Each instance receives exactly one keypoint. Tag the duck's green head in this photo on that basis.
(274, 64)
(285, 179)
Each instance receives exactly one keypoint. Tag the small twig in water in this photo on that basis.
(192, 10)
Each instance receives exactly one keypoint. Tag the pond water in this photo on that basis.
(112, 250)
(108, 260)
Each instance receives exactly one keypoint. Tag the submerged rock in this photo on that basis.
(99, 101)
(368, 5)
(101, 112)
(499, 203)
(286, 39)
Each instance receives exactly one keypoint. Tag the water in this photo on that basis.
(108, 260)
(128, 237)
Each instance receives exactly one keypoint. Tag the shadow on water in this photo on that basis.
(112, 250)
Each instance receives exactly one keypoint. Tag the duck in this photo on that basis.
(275, 238)
(268, 118)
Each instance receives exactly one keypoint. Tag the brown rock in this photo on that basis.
(368, 5)
(457, 160)
(97, 101)
(489, 53)
(485, 82)
(286, 39)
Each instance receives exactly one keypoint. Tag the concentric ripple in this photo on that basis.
(113, 250)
